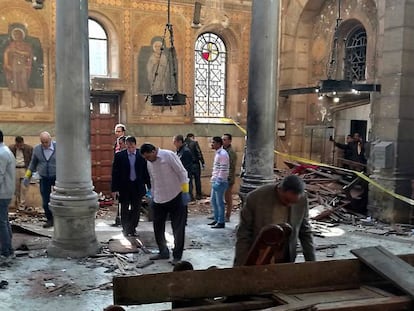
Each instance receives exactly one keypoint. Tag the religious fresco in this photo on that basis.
(24, 86)
(21, 65)
(154, 73)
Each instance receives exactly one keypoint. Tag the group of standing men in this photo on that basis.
(17, 162)
(167, 177)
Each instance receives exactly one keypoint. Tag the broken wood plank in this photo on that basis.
(397, 303)
(388, 265)
(233, 306)
(237, 281)
(252, 280)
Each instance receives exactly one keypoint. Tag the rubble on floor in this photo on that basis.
(338, 196)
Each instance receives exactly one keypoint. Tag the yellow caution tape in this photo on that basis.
(311, 162)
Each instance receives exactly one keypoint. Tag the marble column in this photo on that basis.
(73, 203)
(262, 95)
(393, 113)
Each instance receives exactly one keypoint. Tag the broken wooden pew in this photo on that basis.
(399, 272)
(307, 277)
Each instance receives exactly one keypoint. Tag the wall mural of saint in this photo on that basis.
(155, 69)
(21, 65)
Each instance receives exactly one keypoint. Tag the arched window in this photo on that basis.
(355, 55)
(98, 49)
(209, 77)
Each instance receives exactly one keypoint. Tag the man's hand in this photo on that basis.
(26, 181)
(148, 194)
(216, 185)
(185, 196)
(203, 166)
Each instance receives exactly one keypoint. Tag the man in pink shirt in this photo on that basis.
(219, 181)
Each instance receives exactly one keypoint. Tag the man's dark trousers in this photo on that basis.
(195, 175)
(46, 184)
(177, 211)
(130, 200)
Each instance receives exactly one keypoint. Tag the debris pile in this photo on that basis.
(339, 196)
(334, 195)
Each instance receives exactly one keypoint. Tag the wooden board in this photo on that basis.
(162, 287)
(397, 303)
(388, 265)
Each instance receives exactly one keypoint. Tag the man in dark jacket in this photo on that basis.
(23, 154)
(129, 178)
(285, 202)
(196, 167)
(184, 153)
(44, 162)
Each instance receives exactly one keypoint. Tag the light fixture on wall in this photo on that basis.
(331, 87)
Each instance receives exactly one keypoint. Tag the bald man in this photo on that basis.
(44, 162)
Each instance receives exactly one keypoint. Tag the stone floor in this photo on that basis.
(37, 282)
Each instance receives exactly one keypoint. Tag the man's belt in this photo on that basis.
(20, 166)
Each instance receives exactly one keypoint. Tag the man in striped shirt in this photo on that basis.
(219, 181)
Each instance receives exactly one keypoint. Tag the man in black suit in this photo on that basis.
(129, 177)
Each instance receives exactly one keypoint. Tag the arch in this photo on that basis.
(227, 35)
(113, 42)
(98, 49)
(353, 50)
(210, 68)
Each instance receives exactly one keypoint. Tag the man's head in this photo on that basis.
(226, 140)
(45, 139)
(291, 189)
(122, 142)
(357, 137)
(149, 152)
(19, 142)
(131, 143)
(120, 130)
(349, 139)
(178, 141)
(1, 137)
(190, 136)
(216, 142)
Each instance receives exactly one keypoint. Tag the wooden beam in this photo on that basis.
(252, 280)
(396, 303)
(389, 266)
(233, 306)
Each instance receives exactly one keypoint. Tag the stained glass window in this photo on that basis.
(355, 55)
(210, 76)
(98, 49)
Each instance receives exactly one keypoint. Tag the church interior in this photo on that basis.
(342, 67)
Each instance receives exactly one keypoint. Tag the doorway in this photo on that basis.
(104, 107)
(359, 126)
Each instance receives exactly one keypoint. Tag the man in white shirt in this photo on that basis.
(170, 193)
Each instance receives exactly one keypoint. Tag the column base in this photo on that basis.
(252, 182)
(74, 224)
(386, 208)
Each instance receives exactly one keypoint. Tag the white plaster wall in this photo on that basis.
(342, 119)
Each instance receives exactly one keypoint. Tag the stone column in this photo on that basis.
(262, 95)
(73, 203)
(393, 114)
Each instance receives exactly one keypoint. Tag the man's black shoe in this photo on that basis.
(160, 256)
(212, 223)
(48, 224)
(218, 226)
